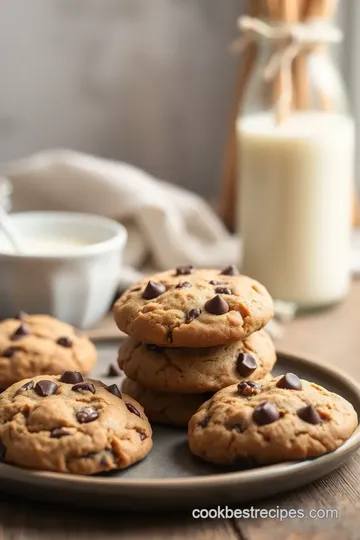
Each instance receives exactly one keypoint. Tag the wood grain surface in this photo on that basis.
(332, 336)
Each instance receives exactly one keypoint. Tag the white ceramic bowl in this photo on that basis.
(75, 283)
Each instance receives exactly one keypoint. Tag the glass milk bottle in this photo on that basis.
(296, 181)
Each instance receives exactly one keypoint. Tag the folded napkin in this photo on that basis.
(167, 224)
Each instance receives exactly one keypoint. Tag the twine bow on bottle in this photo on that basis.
(292, 39)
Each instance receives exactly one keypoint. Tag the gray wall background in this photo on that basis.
(145, 81)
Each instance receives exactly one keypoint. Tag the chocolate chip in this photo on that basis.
(289, 381)
(22, 331)
(169, 336)
(21, 315)
(58, 432)
(153, 290)
(9, 353)
(230, 271)
(155, 348)
(46, 388)
(2, 451)
(27, 386)
(136, 289)
(132, 409)
(246, 364)
(223, 290)
(249, 388)
(143, 436)
(65, 342)
(309, 414)
(113, 371)
(114, 390)
(266, 413)
(204, 422)
(71, 377)
(238, 428)
(86, 415)
(86, 386)
(183, 285)
(216, 282)
(184, 270)
(217, 306)
(193, 314)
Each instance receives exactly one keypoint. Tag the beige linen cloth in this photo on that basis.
(168, 226)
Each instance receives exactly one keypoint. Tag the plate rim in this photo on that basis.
(267, 472)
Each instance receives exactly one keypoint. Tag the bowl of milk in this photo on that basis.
(68, 267)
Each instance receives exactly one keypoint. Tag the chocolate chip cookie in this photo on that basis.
(195, 370)
(267, 422)
(33, 345)
(185, 307)
(70, 424)
(165, 407)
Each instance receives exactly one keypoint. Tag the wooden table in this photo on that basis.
(331, 336)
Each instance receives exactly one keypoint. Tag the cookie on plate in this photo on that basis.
(270, 421)
(71, 425)
(185, 307)
(195, 370)
(33, 345)
(165, 407)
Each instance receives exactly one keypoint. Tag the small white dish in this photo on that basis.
(70, 267)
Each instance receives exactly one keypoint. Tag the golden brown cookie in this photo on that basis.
(164, 407)
(195, 370)
(72, 425)
(270, 421)
(185, 307)
(33, 345)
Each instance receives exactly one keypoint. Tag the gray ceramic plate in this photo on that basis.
(171, 477)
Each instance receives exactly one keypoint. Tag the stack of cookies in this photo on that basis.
(192, 333)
